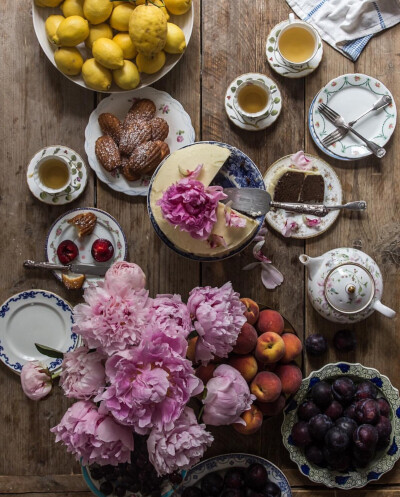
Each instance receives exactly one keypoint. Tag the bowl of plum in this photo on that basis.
(342, 425)
(234, 475)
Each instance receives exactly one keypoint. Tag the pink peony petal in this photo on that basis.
(290, 227)
(312, 222)
(271, 276)
(301, 161)
(215, 240)
(257, 252)
(35, 380)
(233, 219)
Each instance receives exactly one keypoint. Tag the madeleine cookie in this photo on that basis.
(107, 152)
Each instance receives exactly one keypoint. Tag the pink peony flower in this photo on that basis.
(94, 437)
(121, 273)
(149, 386)
(83, 374)
(170, 315)
(290, 227)
(111, 321)
(35, 380)
(179, 447)
(301, 161)
(233, 219)
(228, 395)
(218, 315)
(191, 206)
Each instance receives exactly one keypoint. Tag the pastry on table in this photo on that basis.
(84, 222)
(110, 125)
(73, 281)
(107, 153)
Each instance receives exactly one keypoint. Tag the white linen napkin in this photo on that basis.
(348, 25)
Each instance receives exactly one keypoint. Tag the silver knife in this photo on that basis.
(74, 268)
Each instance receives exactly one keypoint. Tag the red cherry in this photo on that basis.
(102, 250)
(67, 251)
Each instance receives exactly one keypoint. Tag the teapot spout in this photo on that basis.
(312, 263)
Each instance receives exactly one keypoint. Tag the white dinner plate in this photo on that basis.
(35, 316)
(106, 227)
(181, 133)
(40, 14)
(350, 95)
(332, 196)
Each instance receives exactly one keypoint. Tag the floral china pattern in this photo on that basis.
(283, 68)
(353, 478)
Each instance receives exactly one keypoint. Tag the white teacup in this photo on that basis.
(252, 99)
(52, 173)
(297, 42)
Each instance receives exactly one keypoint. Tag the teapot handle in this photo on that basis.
(383, 309)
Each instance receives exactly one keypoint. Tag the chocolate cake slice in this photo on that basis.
(288, 187)
(312, 191)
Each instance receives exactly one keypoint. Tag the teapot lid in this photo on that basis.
(349, 288)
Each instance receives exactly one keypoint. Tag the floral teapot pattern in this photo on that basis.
(345, 285)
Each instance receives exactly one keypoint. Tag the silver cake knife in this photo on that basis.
(74, 268)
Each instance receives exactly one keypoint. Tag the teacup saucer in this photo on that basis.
(282, 67)
(261, 122)
(78, 176)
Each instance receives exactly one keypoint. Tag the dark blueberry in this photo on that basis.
(384, 407)
(318, 426)
(175, 478)
(343, 390)
(334, 411)
(272, 490)
(96, 472)
(211, 484)
(106, 488)
(301, 433)
(316, 344)
(321, 394)
(307, 410)
(344, 340)
(367, 411)
(234, 478)
(337, 440)
(315, 455)
(256, 477)
(120, 490)
(346, 424)
(366, 390)
(365, 438)
(384, 427)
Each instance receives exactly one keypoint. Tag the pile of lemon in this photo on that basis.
(117, 33)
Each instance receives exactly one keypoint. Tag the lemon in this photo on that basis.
(150, 65)
(72, 31)
(148, 29)
(51, 25)
(176, 42)
(119, 19)
(127, 77)
(97, 11)
(178, 7)
(125, 42)
(96, 76)
(116, 3)
(108, 53)
(97, 31)
(72, 8)
(69, 60)
(159, 3)
(48, 3)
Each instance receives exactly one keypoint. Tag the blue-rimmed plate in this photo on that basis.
(226, 461)
(353, 478)
(238, 171)
(35, 316)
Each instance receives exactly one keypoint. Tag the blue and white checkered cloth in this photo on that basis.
(348, 25)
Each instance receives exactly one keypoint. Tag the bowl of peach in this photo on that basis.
(342, 426)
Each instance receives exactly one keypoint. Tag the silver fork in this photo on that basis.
(339, 122)
(338, 134)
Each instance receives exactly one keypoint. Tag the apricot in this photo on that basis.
(270, 348)
(270, 321)
(293, 347)
(246, 365)
(266, 386)
(272, 408)
(246, 340)
(205, 373)
(290, 376)
(191, 350)
(252, 310)
(253, 418)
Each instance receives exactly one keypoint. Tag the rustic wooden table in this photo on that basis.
(41, 107)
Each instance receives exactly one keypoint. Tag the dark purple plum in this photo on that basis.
(256, 477)
(211, 484)
(362, 458)
(335, 410)
(234, 478)
(307, 410)
(233, 492)
(366, 390)
(344, 340)
(384, 407)
(321, 394)
(252, 493)
(318, 426)
(343, 390)
(337, 440)
(350, 411)
(272, 490)
(367, 411)
(336, 461)
(316, 344)
(365, 438)
(192, 492)
(106, 488)
(348, 425)
(301, 434)
(384, 427)
(315, 455)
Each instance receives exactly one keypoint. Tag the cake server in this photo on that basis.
(74, 268)
(256, 202)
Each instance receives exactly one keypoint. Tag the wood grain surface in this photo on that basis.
(41, 107)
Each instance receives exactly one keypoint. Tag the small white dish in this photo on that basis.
(350, 95)
(263, 121)
(106, 227)
(280, 65)
(181, 133)
(333, 196)
(35, 316)
(78, 175)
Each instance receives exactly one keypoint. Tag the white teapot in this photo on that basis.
(345, 285)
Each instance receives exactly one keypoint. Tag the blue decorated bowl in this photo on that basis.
(238, 171)
(354, 478)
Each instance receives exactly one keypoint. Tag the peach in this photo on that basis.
(253, 418)
(246, 365)
(293, 347)
(252, 310)
(246, 340)
(266, 386)
(290, 376)
(272, 408)
(270, 348)
(270, 321)
(191, 350)
(205, 373)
